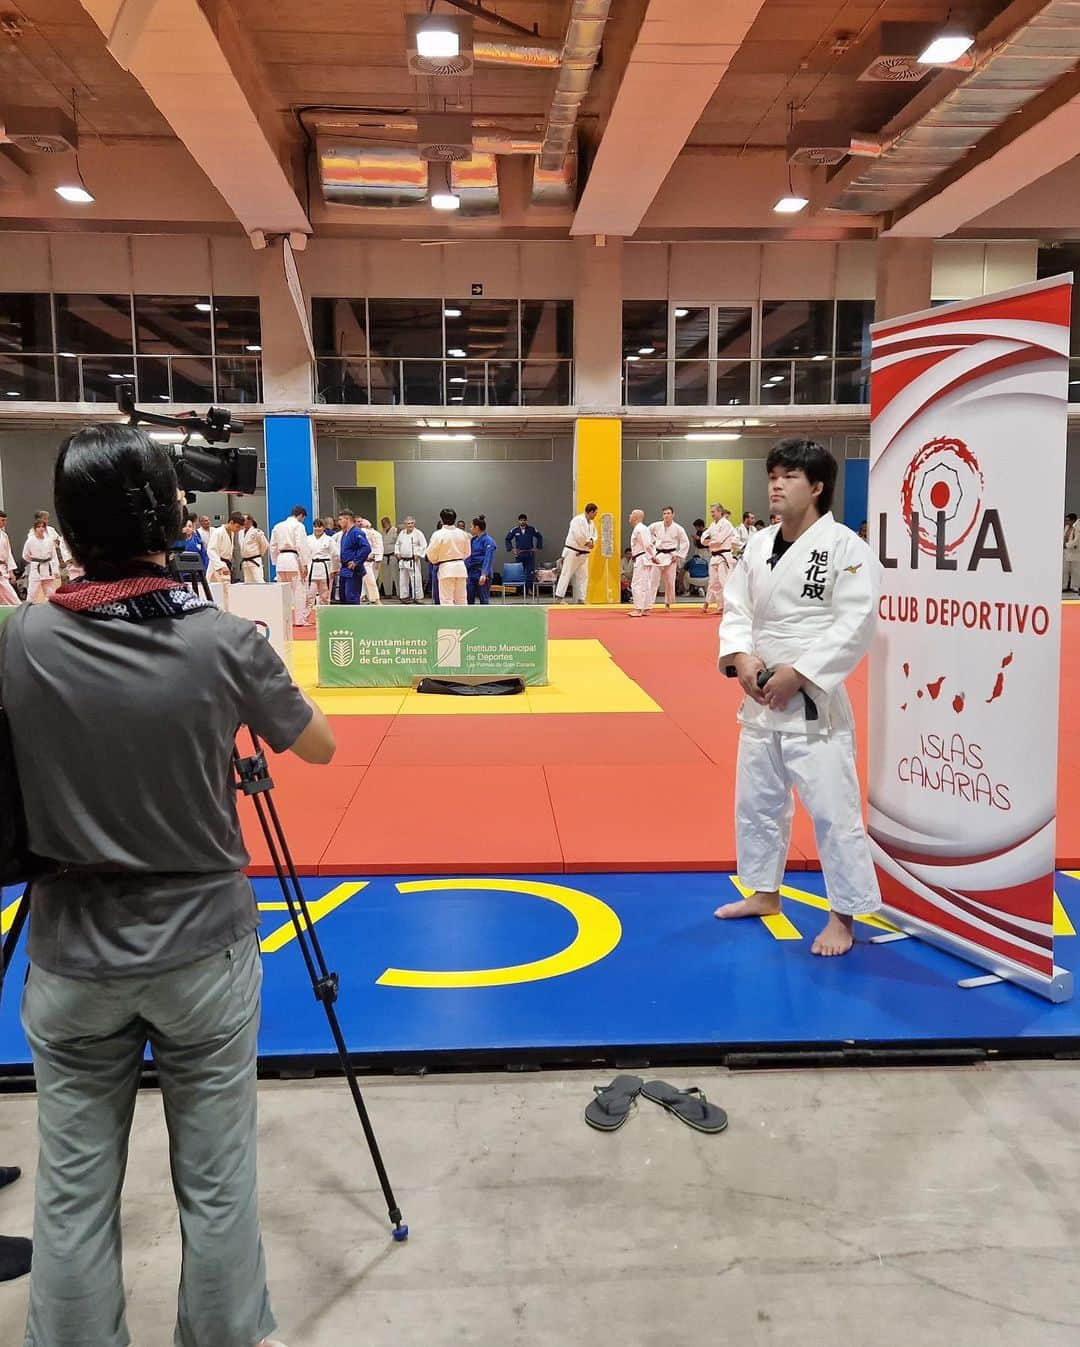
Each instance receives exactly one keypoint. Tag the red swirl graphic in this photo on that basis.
(945, 445)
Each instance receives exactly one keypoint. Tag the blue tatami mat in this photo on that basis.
(609, 960)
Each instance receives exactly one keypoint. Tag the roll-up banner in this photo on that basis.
(967, 489)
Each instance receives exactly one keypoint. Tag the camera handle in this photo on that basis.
(254, 780)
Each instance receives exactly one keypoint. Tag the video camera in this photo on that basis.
(202, 467)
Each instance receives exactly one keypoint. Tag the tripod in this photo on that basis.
(253, 779)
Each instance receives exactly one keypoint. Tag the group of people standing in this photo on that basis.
(45, 556)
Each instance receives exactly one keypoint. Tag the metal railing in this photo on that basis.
(536, 381)
(67, 377)
(768, 381)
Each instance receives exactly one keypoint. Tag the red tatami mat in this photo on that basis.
(569, 793)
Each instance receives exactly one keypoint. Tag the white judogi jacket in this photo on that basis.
(7, 561)
(410, 546)
(672, 543)
(220, 549)
(40, 555)
(1071, 544)
(719, 541)
(743, 534)
(643, 545)
(578, 536)
(335, 553)
(389, 538)
(321, 552)
(448, 549)
(815, 611)
(375, 541)
(289, 546)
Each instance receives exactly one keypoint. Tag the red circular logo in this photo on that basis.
(943, 479)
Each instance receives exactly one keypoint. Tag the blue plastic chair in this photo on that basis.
(513, 577)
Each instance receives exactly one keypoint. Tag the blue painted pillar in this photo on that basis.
(290, 466)
(856, 491)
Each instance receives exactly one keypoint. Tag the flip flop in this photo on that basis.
(689, 1106)
(611, 1107)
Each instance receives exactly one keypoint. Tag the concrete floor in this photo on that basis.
(871, 1208)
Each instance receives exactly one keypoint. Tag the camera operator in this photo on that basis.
(148, 933)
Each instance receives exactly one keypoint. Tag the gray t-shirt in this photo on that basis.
(123, 735)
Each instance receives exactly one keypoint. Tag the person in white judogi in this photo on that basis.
(646, 571)
(321, 569)
(672, 548)
(410, 549)
(43, 562)
(745, 531)
(74, 570)
(223, 551)
(204, 530)
(374, 561)
(800, 609)
(719, 541)
(1070, 556)
(8, 596)
(254, 545)
(580, 541)
(388, 572)
(289, 552)
(448, 549)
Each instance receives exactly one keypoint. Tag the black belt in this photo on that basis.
(634, 555)
(666, 551)
(288, 551)
(581, 551)
(721, 552)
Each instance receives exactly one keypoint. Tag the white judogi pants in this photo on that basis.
(299, 595)
(668, 574)
(643, 585)
(822, 770)
(7, 592)
(253, 571)
(718, 574)
(1070, 571)
(453, 591)
(575, 567)
(39, 585)
(371, 582)
(410, 579)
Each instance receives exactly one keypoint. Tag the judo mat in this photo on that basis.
(626, 762)
(542, 969)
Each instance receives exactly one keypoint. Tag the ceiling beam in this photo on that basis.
(1033, 142)
(201, 72)
(681, 54)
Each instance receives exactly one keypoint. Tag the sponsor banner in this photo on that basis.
(967, 471)
(379, 647)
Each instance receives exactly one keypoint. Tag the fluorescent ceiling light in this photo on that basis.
(946, 48)
(457, 352)
(646, 350)
(459, 379)
(452, 313)
(204, 308)
(705, 436)
(13, 394)
(74, 193)
(436, 40)
(681, 313)
(441, 436)
(633, 357)
(121, 376)
(457, 399)
(253, 347)
(791, 205)
(776, 379)
(67, 355)
(819, 357)
(445, 201)
(164, 397)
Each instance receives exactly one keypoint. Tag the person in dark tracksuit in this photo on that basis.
(355, 550)
(524, 542)
(481, 562)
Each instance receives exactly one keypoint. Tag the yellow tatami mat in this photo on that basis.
(583, 679)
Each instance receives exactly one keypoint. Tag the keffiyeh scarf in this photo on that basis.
(136, 598)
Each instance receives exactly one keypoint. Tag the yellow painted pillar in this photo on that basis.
(380, 475)
(724, 486)
(598, 478)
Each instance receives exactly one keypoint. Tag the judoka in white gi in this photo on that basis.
(410, 549)
(719, 541)
(672, 549)
(388, 577)
(449, 548)
(745, 531)
(1070, 556)
(646, 573)
(801, 605)
(374, 561)
(43, 562)
(254, 545)
(321, 571)
(580, 541)
(223, 549)
(289, 552)
(8, 595)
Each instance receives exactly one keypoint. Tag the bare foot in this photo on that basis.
(837, 936)
(757, 905)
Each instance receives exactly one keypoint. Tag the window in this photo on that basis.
(31, 378)
(173, 325)
(26, 324)
(1053, 259)
(796, 328)
(94, 324)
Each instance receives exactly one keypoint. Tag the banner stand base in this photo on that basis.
(889, 937)
(1057, 988)
(987, 980)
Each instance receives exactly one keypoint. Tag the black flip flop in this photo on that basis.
(689, 1106)
(611, 1107)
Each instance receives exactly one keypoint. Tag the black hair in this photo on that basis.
(237, 517)
(346, 514)
(807, 456)
(448, 516)
(480, 522)
(700, 522)
(521, 517)
(116, 499)
(592, 506)
(749, 514)
(1070, 517)
(299, 512)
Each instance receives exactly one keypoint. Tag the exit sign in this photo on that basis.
(477, 288)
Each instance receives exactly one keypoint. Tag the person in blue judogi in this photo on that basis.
(481, 562)
(524, 542)
(355, 550)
